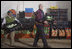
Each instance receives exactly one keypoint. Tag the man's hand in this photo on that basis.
(45, 22)
(40, 20)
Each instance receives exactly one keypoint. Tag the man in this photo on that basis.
(40, 27)
(7, 20)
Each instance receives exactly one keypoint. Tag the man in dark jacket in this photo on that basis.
(40, 27)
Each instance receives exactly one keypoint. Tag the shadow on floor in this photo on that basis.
(30, 45)
(7, 45)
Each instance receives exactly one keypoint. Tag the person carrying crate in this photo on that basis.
(40, 20)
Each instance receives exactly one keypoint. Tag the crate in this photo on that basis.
(28, 14)
(21, 14)
(28, 10)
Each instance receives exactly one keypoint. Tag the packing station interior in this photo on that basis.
(57, 14)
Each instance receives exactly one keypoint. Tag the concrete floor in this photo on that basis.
(27, 43)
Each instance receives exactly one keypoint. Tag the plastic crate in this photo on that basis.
(28, 10)
(28, 14)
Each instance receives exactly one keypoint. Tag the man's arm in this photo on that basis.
(45, 19)
(4, 21)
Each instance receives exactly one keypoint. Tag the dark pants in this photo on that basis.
(40, 33)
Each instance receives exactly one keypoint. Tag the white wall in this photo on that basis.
(34, 4)
(18, 6)
(6, 5)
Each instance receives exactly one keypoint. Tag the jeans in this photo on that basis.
(40, 33)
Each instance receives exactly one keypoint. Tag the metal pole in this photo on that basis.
(17, 9)
(23, 5)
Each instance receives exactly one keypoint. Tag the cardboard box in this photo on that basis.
(54, 32)
(61, 33)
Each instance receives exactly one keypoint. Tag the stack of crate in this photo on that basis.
(60, 16)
